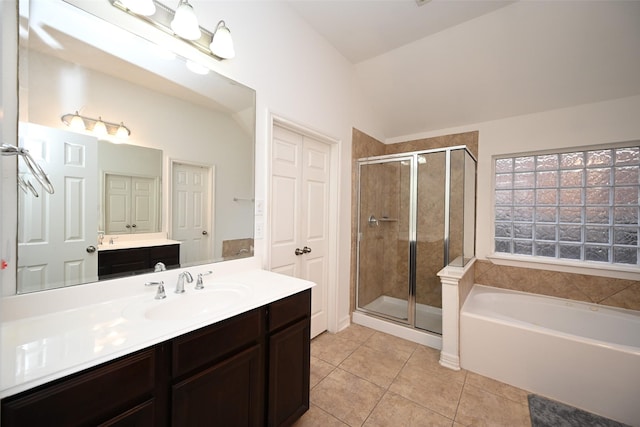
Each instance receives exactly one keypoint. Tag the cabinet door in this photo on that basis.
(227, 394)
(289, 358)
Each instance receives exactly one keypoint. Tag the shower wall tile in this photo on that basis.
(382, 273)
(580, 287)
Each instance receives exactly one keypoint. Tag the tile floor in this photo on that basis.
(362, 377)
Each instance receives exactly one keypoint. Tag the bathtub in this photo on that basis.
(584, 355)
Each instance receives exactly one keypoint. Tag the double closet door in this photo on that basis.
(131, 204)
(300, 190)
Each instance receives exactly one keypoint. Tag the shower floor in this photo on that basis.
(427, 318)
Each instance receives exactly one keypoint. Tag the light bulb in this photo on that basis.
(100, 129)
(185, 22)
(222, 43)
(77, 123)
(122, 131)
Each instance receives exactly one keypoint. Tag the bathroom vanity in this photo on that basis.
(118, 262)
(232, 367)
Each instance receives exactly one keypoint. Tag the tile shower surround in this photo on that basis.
(600, 290)
(429, 241)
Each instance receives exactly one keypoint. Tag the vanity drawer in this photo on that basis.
(212, 343)
(289, 310)
(88, 398)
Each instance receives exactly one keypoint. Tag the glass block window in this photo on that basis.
(579, 206)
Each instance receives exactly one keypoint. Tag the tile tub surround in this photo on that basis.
(40, 347)
(580, 287)
(361, 377)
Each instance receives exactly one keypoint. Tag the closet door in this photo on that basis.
(143, 205)
(117, 204)
(300, 214)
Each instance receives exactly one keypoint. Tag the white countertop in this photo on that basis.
(72, 336)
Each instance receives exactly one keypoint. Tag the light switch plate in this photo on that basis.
(259, 207)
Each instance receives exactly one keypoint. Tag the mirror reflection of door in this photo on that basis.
(192, 219)
(55, 244)
(130, 203)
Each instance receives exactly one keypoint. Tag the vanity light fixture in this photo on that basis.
(140, 7)
(183, 24)
(222, 43)
(97, 126)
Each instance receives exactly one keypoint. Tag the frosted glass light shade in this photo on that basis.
(140, 7)
(222, 43)
(100, 128)
(185, 22)
(122, 131)
(77, 123)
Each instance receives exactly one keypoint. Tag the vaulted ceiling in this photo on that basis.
(448, 63)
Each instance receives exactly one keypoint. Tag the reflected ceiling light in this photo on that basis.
(222, 44)
(98, 126)
(185, 22)
(140, 7)
(76, 122)
(197, 68)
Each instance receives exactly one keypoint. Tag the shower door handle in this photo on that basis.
(299, 252)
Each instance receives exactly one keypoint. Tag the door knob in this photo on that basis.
(91, 249)
(127, 226)
(134, 226)
(306, 250)
(299, 252)
(204, 232)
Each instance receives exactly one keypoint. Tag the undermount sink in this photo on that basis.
(193, 303)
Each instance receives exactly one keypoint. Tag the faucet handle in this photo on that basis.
(159, 267)
(161, 293)
(199, 283)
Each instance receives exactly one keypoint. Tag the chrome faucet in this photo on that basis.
(199, 283)
(180, 284)
(159, 267)
(160, 294)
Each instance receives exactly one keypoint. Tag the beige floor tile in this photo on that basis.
(316, 417)
(319, 370)
(432, 392)
(356, 333)
(394, 410)
(425, 361)
(379, 367)
(496, 387)
(385, 342)
(346, 396)
(481, 408)
(331, 348)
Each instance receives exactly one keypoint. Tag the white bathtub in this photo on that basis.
(585, 355)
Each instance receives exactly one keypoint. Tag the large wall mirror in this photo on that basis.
(184, 175)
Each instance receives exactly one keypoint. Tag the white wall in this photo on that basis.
(578, 126)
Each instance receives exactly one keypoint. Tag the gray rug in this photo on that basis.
(549, 413)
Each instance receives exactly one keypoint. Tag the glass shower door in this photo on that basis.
(383, 245)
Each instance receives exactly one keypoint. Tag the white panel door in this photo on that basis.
(192, 219)
(300, 215)
(143, 205)
(117, 204)
(58, 231)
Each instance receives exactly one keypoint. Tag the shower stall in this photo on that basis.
(416, 215)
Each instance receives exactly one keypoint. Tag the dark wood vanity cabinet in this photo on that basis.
(249, 370)
(124, 262)
(119, 393)
(289, 322)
